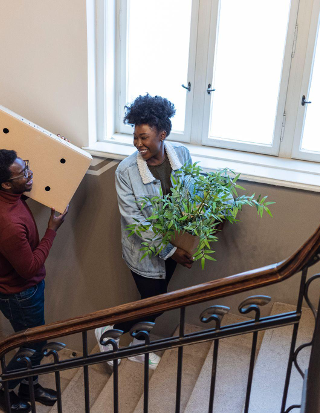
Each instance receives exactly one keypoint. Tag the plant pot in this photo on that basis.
(186, 241)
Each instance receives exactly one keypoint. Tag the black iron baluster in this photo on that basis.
(109, 338)
(214, 313)
(314, 312)
(293, 340)
(53, 347)
(180, 360)
(250, 304)
(24, 356)
(142, 329)
(5, 385)
(86, 372)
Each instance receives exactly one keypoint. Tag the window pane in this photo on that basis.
(311, 140)
(247, 71)
(158, 51)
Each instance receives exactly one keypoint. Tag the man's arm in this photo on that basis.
(15, 247)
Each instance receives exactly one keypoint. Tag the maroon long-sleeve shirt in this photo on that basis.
(22, 256)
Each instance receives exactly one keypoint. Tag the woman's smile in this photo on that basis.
(142, 151)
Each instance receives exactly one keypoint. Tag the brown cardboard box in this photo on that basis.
(58, 166)
(186, 241)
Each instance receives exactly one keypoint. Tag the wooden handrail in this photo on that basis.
(215, 289)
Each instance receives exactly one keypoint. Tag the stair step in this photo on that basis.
(162, 386)
(130, 389)
(73, 396)
(232, 374)
(271, 366)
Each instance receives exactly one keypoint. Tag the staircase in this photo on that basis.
(232, 373)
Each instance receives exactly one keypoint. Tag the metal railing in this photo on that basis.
(305, 257)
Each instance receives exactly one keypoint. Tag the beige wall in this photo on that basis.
(43, 64)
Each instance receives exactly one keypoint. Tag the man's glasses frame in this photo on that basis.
(25, 171)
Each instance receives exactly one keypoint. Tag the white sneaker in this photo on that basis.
(154, 359)
(105, 348)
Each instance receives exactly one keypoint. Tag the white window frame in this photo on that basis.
(273, 148)
(305, 87)
(122, 65)
(105, 141)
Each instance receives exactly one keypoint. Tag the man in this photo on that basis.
(22, 270)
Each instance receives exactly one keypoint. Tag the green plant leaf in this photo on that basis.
(203, 260)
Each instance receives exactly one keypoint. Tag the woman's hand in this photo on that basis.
(183, 257)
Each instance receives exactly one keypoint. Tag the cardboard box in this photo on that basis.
(58, 166)
(186, 241)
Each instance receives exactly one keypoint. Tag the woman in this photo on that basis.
(140, 175)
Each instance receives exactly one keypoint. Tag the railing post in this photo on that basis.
(294, 340)
(86, 372)
(24, 356)
(213, 373)
(214, 313)
(5, 385)
(52, 348)
(142, 329)
(252, 304)
(112, 338)
(180, 360)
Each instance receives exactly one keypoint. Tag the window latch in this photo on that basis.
(209, 90)
(303, 100)
(188, 88)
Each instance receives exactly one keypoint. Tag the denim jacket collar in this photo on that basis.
(144, 171)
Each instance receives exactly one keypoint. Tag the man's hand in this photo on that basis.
(183, 257)
(56, 221)
(65, 139)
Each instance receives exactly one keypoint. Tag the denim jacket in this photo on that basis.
(133, 182)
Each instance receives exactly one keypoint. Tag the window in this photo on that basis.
(157, 47)
(307, 132)
(248, 65)
(242, 73)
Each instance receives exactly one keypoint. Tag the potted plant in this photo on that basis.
(189, 216)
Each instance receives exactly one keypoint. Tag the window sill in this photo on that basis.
(303, 175)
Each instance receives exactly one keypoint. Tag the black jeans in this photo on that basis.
(147, 288)
(25, 310)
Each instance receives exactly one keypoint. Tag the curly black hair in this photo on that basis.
(7, 158)
(154, 111)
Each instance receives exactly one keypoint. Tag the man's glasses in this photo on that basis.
(25, 171)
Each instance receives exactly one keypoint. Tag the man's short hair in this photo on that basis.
(7, 158)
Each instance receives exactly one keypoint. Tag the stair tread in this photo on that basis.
(163, 382)
(73, 396)
(232, 373)
(270, 370)
(130, 389)
(130, 384)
